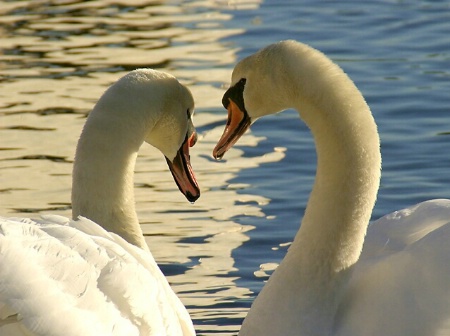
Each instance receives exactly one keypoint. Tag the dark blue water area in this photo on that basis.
(398, 54)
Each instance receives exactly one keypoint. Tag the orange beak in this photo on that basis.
(238, 122)
(182, 171)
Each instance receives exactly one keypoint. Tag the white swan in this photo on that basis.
(400, 284)
(74, 277)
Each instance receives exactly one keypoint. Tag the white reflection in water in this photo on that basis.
(57, 59)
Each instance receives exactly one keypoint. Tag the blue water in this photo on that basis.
(396, 52)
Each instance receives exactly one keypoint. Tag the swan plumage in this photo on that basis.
(398, 283)
(66, 277)
(61, 276)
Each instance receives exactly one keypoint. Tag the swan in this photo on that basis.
(94, 274)
(328, 284)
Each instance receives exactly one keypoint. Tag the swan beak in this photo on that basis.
(238, 122)
(182, 171)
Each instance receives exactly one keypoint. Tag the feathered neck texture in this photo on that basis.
(103, 178)
(306, 287)
(102, 188)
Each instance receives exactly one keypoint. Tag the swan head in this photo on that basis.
(174, 133)
(151, 106)
(260, 85)
(177, 157)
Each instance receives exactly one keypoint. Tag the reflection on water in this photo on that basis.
(57, 58)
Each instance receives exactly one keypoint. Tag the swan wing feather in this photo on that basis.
(403, 269)
(86, 280)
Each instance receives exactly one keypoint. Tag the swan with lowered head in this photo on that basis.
(94, 275)
(328, 284)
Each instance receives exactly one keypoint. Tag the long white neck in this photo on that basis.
(103, 176)
(304, 290)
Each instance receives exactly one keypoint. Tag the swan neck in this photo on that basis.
(347, 179)
(103, 175)
(307, 286)
(337, 215)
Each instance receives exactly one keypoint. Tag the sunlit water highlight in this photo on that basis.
(58, 57)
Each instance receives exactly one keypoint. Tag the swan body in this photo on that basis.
(94, 274)
(327, 284)
(66, 277)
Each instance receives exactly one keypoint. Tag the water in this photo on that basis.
(58, 57)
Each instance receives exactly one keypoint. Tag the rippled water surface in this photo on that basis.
(57, 58)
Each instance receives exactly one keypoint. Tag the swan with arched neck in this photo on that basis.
(335, 280)
(94, 274)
